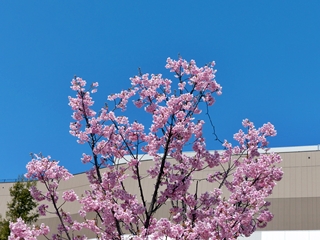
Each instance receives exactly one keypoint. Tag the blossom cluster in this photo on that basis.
(20, 230)
(241, 176)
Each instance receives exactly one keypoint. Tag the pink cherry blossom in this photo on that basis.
(176, 107)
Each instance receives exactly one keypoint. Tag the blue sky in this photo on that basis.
(267, 55)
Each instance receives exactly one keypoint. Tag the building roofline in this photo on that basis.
(296, 149)
(146, 157)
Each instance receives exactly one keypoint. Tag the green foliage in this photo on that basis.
(21, 205)
(4, 229)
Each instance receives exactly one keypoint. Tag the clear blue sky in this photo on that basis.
(267, 55)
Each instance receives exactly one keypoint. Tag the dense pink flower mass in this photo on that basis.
(20, 230)
(241, 177)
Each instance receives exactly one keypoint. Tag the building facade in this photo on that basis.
(295, 201)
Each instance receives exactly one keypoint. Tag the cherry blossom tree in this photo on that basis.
(241, 176)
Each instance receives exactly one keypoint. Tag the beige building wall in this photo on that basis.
(295, 201)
